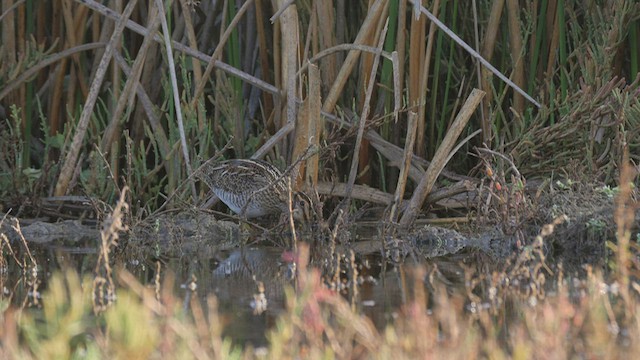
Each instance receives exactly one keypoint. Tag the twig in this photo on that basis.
(495, 153)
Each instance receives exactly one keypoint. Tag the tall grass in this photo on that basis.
(37, 70)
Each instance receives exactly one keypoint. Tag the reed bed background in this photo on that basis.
(91, 101)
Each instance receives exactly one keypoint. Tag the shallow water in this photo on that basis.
(237, 276)
(233, 276)
(235, 279)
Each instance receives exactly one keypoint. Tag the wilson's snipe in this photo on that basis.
(253, 188)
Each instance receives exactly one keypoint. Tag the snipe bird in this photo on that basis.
(253, 188)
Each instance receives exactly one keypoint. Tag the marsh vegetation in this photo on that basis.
(472, 170)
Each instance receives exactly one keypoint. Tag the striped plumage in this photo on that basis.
(257, 182)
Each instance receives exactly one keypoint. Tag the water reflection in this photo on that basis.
(250, 282)
(239, 277)
(238, 282)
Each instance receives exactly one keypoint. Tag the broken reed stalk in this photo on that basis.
(410, 138)
(391, 152)
(229, 87)
(71, 159)
(361, 192)
(397, 87)
(400, 48)
(303, 129)
(300, 141)
(367, 63)
(176, 96)
(289, 47)
(324, 54)
(115, 86)
(478, 66)
(439, 159)
(273, 140)
(442, 196)
(73, 21)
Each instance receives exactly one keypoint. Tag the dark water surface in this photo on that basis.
(237, 277)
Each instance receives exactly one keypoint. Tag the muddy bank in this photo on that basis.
(589, 211)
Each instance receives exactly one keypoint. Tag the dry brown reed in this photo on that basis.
(217, 107)
(101, 76)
